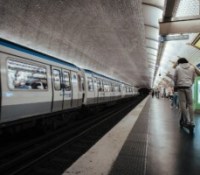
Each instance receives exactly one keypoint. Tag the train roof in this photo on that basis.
(100, 75)
(29, 51)
(103, 76)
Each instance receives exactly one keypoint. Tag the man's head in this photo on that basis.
(182, 61)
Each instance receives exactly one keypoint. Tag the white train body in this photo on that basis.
(35, 84)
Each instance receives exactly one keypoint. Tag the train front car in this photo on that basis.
(35, 85)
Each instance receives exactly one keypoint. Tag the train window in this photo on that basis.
(56, 79)
(116, 89)
(26, 76)
(66, 81)
(113, 89)
(90, 84)
(99, 85)
(102, 87)
(74, 77)
(107, 86)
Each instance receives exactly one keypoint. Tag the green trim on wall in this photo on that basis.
(196, 95)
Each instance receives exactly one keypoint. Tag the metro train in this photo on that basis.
(35, 85)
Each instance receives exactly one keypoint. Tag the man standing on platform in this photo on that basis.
(183, 79)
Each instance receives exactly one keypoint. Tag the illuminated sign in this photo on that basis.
(173, 37)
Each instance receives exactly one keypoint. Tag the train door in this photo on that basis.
(119, 92)
(57, 101)
(81, 87)
(107, 89)
(0, 90)
(104, 91)
(122, 88)
(112, 92)
(99, 89)
(67, 90)
(101, 92)
(90, 90)
(95, 90)
(74, 80)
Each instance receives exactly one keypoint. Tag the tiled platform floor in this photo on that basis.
(164, 148)
(154, 144)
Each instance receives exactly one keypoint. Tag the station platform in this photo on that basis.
(148, 141)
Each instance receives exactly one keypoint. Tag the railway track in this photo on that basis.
(52, 153)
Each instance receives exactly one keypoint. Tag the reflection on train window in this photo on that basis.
(26, 76)
(66, 81)
(90, 85)
(56, 79)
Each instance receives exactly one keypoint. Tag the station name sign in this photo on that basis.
(173, 37)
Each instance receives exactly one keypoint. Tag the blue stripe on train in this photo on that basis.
(33, 52)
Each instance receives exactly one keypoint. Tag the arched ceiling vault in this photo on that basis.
(106, 36)
(117, 38)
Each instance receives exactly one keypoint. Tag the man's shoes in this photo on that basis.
(192, 124)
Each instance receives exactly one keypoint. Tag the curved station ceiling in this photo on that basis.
(117, 38)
